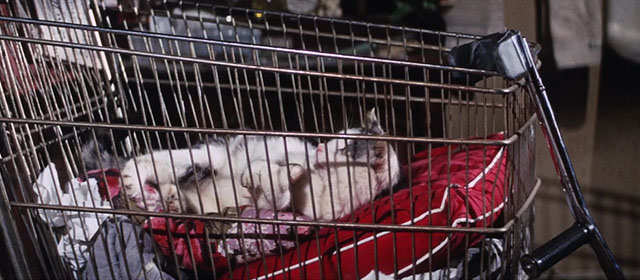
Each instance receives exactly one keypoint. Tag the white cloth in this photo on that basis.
(576, 32)
(81, 225)
(623, 28)
(474, 17)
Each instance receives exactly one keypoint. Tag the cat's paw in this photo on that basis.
(171, 199)
(130, 182)
(268, 184)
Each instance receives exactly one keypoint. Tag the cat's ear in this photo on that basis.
(296, 171)
(373, 125)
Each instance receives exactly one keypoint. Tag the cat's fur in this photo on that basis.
(236, 172)
(344, 175)
(223, 186)
(100, 153)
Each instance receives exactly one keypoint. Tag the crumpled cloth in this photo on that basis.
(474, 17)
(81, 225)
(109, 184)
(189, 238)
(576, 30)
(274, 237)
(124, 251)
(184, 237)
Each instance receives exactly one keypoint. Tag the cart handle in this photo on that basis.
(555, 250)
(508, 53)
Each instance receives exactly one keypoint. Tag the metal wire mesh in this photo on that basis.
(171, 75)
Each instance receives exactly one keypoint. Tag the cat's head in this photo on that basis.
(376, 154)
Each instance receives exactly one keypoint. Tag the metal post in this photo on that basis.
(572, 191)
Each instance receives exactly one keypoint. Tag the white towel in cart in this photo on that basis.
(81, 225)
(576, 30)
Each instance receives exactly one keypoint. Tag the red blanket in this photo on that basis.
(438, 197)
(451, 186)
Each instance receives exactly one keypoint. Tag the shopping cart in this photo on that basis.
(170, 75)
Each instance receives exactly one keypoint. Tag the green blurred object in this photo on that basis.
(407, 8)
(424, 14)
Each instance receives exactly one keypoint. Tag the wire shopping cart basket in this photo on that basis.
(182, 140)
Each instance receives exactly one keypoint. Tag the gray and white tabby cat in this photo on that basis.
(327, 181)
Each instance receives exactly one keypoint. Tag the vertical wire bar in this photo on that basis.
(119, 85)
(275, 210)
(258, 74)
(199, 122)
(468, 206)
(216, 78)
(116, 223)
(330, 185)
(32, 147)
(199, 89)
(307, 68)
(464, 96)
(410, 150)
(308, 162)
(6, 112)
(265, 109)
(370, 183)
(322, 81)
(237, 204)
(142, 92)
(376, 105)
(245, 75)
(268, 159)
(237, 76)
(166, 119)
(389, 100)
(83, 94)
(233, 83)
(511, 207)
(214, 189)
(205, 109)
(146, 135)
(299, 95)
(175, 176)
(87, 103)
(427, 104)
(27, 222)
(182, 109)
(485, 135)
(446, 119)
